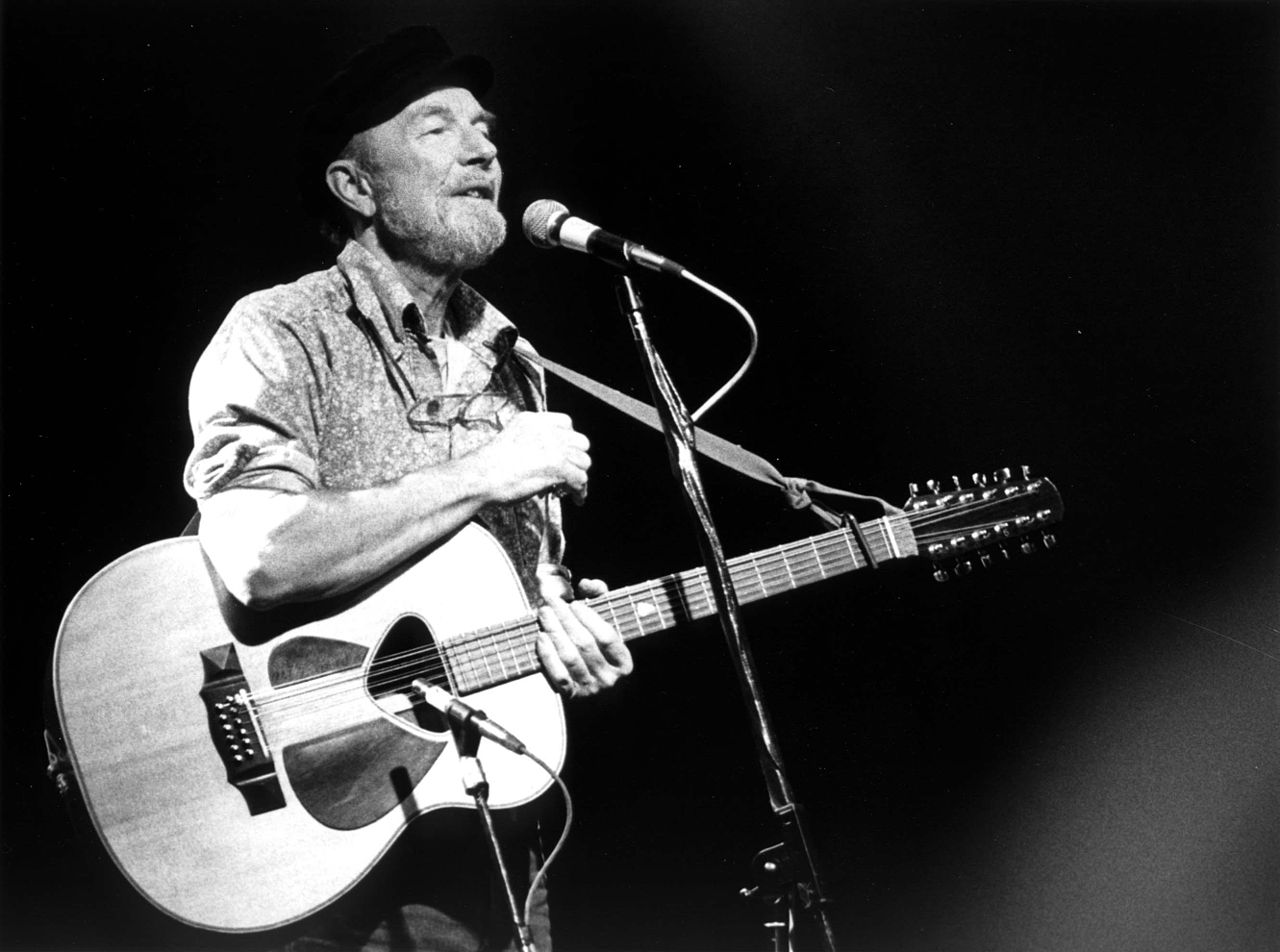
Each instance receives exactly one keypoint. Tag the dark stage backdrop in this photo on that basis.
(973, 235)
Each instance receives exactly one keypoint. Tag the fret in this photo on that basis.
(531, 645)
(804, 550)
(608, 606)
(774, 582)
(488, 669)
(476, 673)
(656, 596)
(635, 611)
(882, 547)
(786, 564)
(531, 662)
(514, 644)
(817, 555)
(755, 565)
(634, 616)
(847, 535)
(502, 668)
(520, 639)
(679, 582)
(463, 679)
(737, 578)
(712, 608)
(889, 537)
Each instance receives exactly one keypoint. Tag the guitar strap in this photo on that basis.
(797, 490)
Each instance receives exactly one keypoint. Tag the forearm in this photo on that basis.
(273, 547)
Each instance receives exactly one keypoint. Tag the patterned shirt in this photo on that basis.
(331, 383)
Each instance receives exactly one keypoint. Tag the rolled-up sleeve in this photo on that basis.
(255, 405)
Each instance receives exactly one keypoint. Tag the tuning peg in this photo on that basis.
(984, 560)
(939, 573)
(1004, 474)
(964, 567)
(1027, 547)
(913, 489)
(932, 485)
(1049, 539)
(979, 479)
(1026, 471)
(1003, 551)
(956, 480)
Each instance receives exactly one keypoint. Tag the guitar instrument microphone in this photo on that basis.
(547, 223)
(463, 714)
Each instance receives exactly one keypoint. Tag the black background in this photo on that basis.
(973, 235)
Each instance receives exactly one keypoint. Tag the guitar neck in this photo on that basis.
(503, 653)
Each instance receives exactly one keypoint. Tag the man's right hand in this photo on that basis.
(534, 453)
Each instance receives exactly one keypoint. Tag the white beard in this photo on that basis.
(449, 234)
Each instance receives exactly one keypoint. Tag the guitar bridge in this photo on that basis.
(236, 731)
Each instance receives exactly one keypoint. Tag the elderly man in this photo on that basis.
(348, 420)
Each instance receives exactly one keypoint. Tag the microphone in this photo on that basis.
(547, 223)
(463, 714)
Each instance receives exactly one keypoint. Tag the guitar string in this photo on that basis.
(747, 565)
(465, 653)
(483, 643)
(480, 645)
(472, 672)
(521, 633)
(751, 565)
(483, 638)
(805, 559)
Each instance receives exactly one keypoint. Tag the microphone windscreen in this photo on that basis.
(538, 219)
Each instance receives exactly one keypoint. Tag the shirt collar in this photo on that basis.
(378, 291)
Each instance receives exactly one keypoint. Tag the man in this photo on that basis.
(348, 420)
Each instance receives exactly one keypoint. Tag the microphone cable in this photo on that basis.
(541, 875)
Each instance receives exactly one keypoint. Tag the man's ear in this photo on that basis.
(349, 184)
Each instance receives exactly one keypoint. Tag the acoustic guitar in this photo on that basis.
(244, 769)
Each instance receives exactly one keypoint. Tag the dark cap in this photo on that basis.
(375, 84)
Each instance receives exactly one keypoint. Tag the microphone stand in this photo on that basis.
(786, 874)
(466, 739)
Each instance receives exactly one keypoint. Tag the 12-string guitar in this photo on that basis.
(244, 769)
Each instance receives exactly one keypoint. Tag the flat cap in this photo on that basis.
(373, 86)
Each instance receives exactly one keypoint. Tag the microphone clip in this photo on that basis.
(461, 714)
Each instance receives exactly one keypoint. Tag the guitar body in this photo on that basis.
(245, 769)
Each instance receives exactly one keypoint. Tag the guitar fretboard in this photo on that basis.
(502, 653)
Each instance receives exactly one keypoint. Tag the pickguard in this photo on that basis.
(352, 776)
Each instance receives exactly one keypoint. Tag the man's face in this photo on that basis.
(436, 179)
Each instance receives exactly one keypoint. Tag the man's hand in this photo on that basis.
(580, 651)
(534, 453)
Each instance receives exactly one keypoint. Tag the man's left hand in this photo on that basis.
(581, 653)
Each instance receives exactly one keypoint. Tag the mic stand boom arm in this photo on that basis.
(793, 853)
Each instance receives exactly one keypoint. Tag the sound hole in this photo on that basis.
(409, 651)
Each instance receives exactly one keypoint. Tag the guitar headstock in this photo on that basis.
(962, 522)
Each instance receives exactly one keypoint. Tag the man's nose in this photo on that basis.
(478, 148)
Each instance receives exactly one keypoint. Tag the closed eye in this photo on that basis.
(486, 123)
